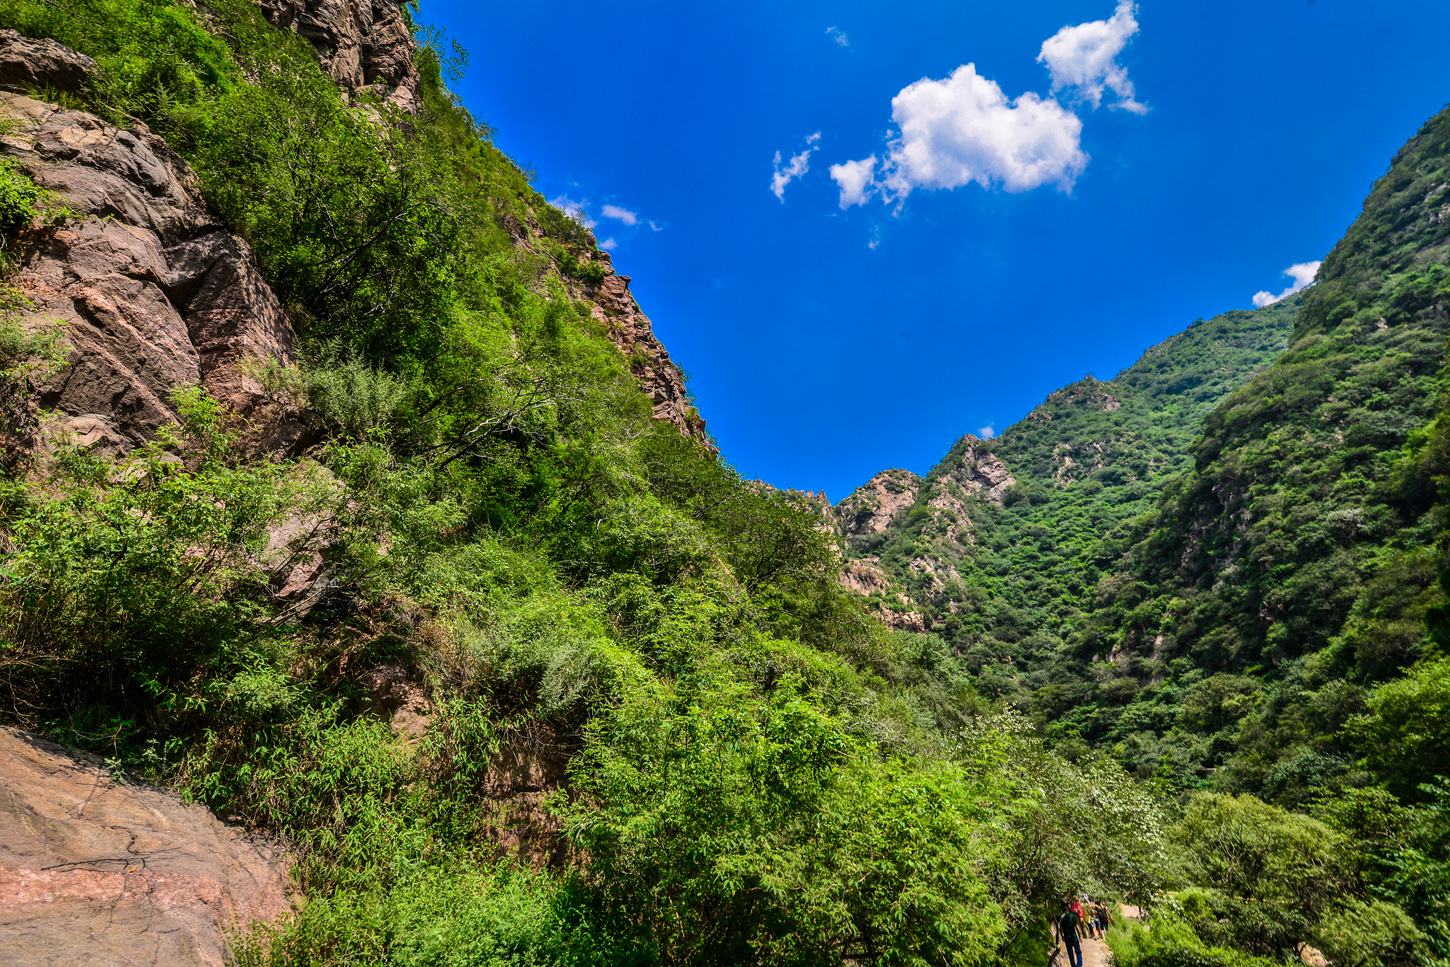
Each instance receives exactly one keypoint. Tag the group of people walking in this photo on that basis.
(1081, 917)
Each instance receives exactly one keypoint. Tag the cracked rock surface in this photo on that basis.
(93, 871)
(153, 293)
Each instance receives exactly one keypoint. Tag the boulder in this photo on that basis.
(152, 291)
(27, 64)
(96, 871)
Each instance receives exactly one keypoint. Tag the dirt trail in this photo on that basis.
(1095, 953)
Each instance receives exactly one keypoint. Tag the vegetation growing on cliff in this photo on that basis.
(723, 757)
(521, 674)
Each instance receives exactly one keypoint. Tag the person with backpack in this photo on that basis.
(1103, 920)
(1067, 927)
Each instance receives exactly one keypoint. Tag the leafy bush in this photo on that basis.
(19, 199)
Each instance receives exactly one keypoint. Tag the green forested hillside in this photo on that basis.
(521, 674)
(1088, 461)
(1242, 587)
(1292, 568)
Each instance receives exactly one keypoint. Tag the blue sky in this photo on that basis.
(1229, 141)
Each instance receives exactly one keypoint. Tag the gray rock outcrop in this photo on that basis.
(630, 329)
(152, 291)
(362, 44)
(26, 64)
(874, 506)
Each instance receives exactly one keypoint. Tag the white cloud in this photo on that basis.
(838, 35)
(1085, 57)
(798, 165)
(855, 179)
(1302, 273)
(609, 245)
(655, 226)
(963, 129)
(987, 432)
(620, 214)
(574, 209)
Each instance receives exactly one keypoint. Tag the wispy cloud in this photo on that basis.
(838, 35)
(855, 179)
(620, 214)
(788, 171)
(987, 432)
(609, 244)
(1085, 58)
(1302, 273)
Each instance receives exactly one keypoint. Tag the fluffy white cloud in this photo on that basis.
(963, 129)
(788, 171)
(1302, 273)
(1085, 57)
(609, 245)
(574, 209)
(856, 179)
(838, 35)
(619, 214)
(987, 432)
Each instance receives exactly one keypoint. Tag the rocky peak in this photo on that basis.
(1086, 392)
(363, 44)
(978, 471)
(874, 506)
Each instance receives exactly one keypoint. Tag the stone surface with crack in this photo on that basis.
(94, 871)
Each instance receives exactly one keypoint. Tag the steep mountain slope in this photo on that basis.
(1001, 541)
(1228, 565)
(347, 491)
(1293, 566)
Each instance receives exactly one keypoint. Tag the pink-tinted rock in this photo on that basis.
(93, 871)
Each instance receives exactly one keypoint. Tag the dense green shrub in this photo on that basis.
(19, 199)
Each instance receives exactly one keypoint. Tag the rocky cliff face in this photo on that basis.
(363, 44)
(368, 44)
(613, 305)
(93, 871)
(874, 506)
(151, 291)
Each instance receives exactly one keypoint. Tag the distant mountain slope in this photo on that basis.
(1002, 540)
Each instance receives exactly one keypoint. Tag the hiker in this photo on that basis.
(1067, 927)
(1101, 920)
